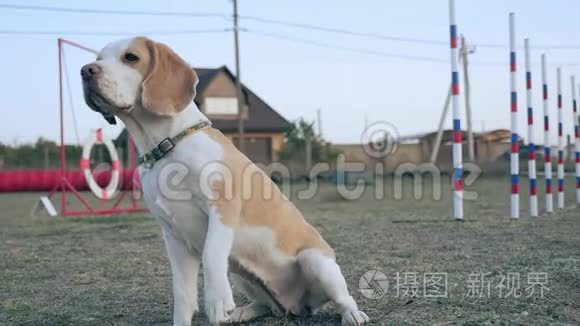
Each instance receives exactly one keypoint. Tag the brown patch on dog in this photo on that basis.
(168, 81)
(257, 201)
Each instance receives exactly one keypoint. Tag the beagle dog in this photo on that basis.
(216, 208)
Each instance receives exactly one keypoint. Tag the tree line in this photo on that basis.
(42, 154)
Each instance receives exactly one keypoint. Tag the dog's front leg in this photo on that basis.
(185, 271)
(219, 300)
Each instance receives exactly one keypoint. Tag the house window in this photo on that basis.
(221, 105)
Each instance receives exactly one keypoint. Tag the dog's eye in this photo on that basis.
(130, 57)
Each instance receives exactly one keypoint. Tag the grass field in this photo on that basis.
(113, 270)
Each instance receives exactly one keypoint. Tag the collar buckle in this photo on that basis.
(166, 145)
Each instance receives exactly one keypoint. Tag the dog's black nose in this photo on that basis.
(91, 70)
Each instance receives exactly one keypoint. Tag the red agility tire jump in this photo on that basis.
(110, 190)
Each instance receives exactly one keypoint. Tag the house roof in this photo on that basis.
(261, 116)
(447, 136)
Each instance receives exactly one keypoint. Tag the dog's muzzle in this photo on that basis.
(91, 71)
(90, 74)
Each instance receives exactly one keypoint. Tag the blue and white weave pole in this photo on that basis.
(515, 147)
(560, 143)
(457, 139)
(547, 144)
(531, 144)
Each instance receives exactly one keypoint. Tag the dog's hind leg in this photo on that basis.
(324, 274)
(262, 303)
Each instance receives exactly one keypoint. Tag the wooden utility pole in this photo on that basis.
(435, 150)
(241, 106)
(308, 140)
(319, 116)
(465, 51)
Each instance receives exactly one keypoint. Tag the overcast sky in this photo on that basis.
(297, 78)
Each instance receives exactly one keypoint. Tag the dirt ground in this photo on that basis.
(113, 270)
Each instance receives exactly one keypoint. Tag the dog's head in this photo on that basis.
(141, 73)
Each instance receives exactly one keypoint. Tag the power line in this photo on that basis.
(112, 33)
(112, 12)
(384, 37)
(340, 47)
(383, 54)
(538, 46)
(267, 34)
(344, 31)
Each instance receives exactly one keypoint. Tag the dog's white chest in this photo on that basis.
(172, 188)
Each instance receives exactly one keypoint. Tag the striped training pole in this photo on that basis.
(515, 150)
(560, 143)
(531, 144)
(547, 146)
(457, 139)
(577, 140)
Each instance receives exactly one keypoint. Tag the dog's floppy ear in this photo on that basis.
(170, 85)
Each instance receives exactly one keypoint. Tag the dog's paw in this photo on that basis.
(219, 307)
(218, 311)
(183, 318)
(219, 301)
(354, 318)
(247, 313)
